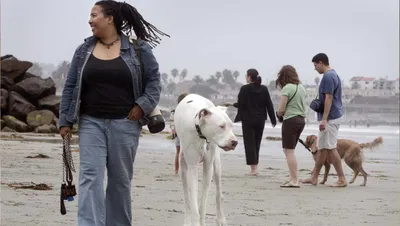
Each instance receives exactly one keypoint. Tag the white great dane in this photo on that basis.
(201, 128)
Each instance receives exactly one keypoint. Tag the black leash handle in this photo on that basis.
(68, 190)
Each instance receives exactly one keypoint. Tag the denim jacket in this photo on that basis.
(146, 87)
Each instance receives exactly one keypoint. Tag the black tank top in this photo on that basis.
(107, 90)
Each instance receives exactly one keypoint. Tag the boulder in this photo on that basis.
(35, 88)
(46, 129)
(8, 130)
(18, 106)
(40, 118)
(8, 57)
(13, 68)
(25, 76)
(3, 124)
(51, 103)
(6, 83)
(15, 124)
(3, 99)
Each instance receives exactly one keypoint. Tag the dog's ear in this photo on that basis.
(204, 113)
(308, 140)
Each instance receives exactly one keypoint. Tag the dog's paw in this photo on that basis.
(352, 181)
(322, 182)
(362, 185)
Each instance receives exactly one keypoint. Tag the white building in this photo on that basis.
(385, 84)
(362, 82)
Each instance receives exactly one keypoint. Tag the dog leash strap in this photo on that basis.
(302, 142)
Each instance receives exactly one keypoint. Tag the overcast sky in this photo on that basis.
(361, 37)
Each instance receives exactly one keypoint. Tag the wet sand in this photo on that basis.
(157, 196)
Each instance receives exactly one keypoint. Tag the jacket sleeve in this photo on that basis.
(67, 93)
(241, 103)
(152, 86)
(270, 107)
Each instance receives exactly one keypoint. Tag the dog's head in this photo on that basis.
(311, 143)
(216, 126)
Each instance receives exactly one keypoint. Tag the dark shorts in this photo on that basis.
(291, 131)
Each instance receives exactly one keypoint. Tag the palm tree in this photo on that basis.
(316, 80)
(236, 75)
(198, 79)
(174, 73)
(183, 74)
(164, 77)
(212, 81)
(227, 77)
(218, 75)
(60, 74)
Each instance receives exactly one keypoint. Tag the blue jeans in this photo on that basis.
(110, 143)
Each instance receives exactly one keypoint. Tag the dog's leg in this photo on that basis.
(207, 174)
(364, 175)
(192, 182)
(221, 220)
(327, 168)
(356, 171)
(184, 178)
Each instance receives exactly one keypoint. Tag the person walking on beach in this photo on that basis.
(291, 112)
(330, 96)
(110, 93)
(253, 104)
(177, 141)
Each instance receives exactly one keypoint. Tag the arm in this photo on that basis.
(282, 106)
(284, 100)
(270, 107)
(67, 93)
(327, 86)
(327, 106)
(152, 86)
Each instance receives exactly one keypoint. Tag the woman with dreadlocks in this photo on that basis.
(112, 90)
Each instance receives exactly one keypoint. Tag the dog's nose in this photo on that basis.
(234, 143)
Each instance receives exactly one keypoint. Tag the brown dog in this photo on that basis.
(348, 150)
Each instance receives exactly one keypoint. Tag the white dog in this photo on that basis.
(201, 127)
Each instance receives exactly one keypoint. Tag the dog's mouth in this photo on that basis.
(227, 148)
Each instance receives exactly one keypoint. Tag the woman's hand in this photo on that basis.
(136, 113)
(65, 130)
(280, 118)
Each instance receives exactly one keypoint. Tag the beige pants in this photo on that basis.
(327, 139)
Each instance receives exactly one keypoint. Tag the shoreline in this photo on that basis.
(157, 197)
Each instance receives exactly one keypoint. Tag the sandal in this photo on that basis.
(289, 185)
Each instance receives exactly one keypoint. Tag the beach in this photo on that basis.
(157, 197)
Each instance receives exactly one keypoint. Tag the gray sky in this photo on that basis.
(361, 37)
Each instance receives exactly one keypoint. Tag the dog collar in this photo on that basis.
(199, 133)
(302, 142)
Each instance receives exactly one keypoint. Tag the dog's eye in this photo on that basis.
(222, 126)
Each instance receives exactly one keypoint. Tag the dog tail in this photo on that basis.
(372, 144)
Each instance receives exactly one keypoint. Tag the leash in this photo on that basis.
(68, 190)
(302, 142)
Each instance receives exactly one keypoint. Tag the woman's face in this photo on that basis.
(99, 22)
(248, 79)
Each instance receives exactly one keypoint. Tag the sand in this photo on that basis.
(157, 196)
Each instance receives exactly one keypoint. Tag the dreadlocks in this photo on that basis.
(127, 18)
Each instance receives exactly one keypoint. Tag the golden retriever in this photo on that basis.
(348, 150)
